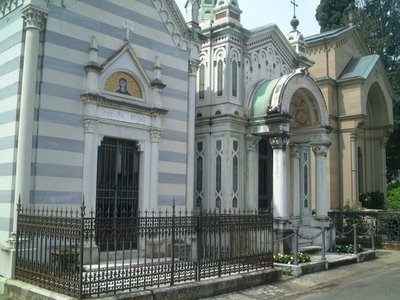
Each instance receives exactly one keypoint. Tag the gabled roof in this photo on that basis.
(359, 67)
(336, 38)
(328, 34)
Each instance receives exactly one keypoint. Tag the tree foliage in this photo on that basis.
(379, 22)
(333, 14)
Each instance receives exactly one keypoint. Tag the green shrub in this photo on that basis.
(349, 248)
(349, 220)
(289, 258)
(394, 197)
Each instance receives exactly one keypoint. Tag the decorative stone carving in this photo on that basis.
(175, 24)
(34, 17)
(252, 142)
(278, 142)
(193, 67)
(140, 146)
(89, 124)
(155, 135)
(320, 150)
(128, 107)
(295, 151)
(8, 6)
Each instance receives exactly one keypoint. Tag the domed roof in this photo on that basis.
(262, 98)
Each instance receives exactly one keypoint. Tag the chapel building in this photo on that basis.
(297, 125)
(129, 106)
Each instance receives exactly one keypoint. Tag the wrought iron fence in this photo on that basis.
(382, 227)
(81, 255)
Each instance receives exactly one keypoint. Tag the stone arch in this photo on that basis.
(288, 85)
(375, 107)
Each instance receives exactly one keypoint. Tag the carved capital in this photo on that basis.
(295, 151)
(34, 17)
(252, 142)
(193, 67)
(89, 124)
(320, 150)
(140, 146)
(155, 135)
(278, 142)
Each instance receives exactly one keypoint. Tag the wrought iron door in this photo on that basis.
(265, 175)
(117, 193)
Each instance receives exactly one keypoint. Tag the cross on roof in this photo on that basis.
(294, 7)
(128, 25)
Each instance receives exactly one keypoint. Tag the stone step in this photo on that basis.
(310, 249)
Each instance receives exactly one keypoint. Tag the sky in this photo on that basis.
(257, 13)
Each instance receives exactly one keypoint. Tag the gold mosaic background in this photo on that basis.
(112, 84)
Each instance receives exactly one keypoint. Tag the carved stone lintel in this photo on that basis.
(320, 150)
(155, 135)
(89, 124)
(34, 17)
(278, 142)
(252, 142)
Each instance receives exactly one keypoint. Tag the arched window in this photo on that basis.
(234, 78)
(202, 82)
(220, 70)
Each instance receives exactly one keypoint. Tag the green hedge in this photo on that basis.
(394, 197)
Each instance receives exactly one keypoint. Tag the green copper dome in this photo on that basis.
(262, 98)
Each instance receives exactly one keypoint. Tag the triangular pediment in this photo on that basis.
(123, 75)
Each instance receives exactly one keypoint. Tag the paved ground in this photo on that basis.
(376, 279)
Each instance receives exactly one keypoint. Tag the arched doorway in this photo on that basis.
(290, 113)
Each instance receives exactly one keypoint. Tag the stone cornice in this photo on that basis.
(8, 6)
(129, 107)
(337, 41)
(175, 23)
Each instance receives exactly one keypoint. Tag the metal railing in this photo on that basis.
(371, 227)
(92, 255)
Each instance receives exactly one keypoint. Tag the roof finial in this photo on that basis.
(294, 7)
(294, 22)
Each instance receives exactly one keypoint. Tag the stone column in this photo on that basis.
(251, 180)
(295, 174)
(278, 144)
(321, 187)
(155, 135)
(90, 163)
(34, 22)
(383, 181)
(192, 73)
(354, 169)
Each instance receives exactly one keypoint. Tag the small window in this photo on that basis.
(202, 82)
(234, 78)
(220, 70)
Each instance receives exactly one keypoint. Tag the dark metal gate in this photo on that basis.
(117, 193)
(265, 175)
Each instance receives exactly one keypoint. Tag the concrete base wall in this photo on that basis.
(205, 288)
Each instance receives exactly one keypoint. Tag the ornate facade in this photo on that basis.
(126, 98)
(287, 123)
